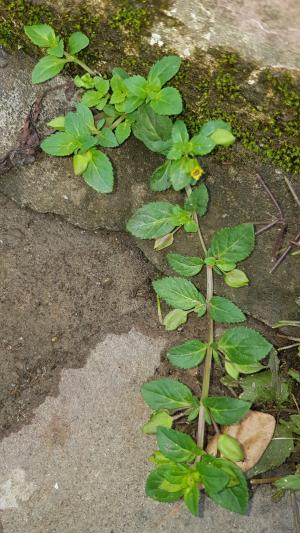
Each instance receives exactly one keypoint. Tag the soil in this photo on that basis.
(62, 290)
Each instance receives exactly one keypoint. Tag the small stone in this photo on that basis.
(107, 282)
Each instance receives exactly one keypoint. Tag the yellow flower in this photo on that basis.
(197, 172)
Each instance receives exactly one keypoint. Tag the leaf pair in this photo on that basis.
(130, 92)
(182, 294)
(172, 395)
(52, 64)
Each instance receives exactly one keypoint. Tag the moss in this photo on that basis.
(130, 19)
(264, 116)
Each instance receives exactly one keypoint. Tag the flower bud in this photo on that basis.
(230, 448)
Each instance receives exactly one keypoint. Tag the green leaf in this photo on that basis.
(107, 138)
(243, 345)
(41, 35)
(174, 319)
(167, 102)
(294, 424)
(75, 126)
(47, 68)
(118, 71)
(165, 393)
(187, 355)
(213, 478)
(222, 137)
(59, 144)
(295, 375)
(160, 179)
(263, 388)
(179, 293)
(102, 103)
(179, 132)
(279, 449)
(225, 266)
(225, 311)
(234, 496)
(159, 418)
(191, 226)
(159, 458)
(177, 446)
(197, 202)
(164, 242)
(180, 173)
(86, 81)
(86, 116)
(288, 482)
(165, 69)
(191, 499)
(234, 370)
(131, 104)
(236, 278)
(136, 86)
(157, 480)
(230, 448)
(202, 145)
(77, 41)
(80, 163)
(185, 264)
(212, 125)
(92, 98)
(226, 410)
(58, 50)
(233, 244)
(57, 123)
(99, 173)
(123, 131)
(87, 142)
(101, 85)
(153, 130)
(153, 220)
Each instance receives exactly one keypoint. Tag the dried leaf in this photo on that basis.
(279, 449)
(254, 432)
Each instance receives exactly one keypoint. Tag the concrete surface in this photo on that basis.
(79, 331)
(267, 31)
(80, 466)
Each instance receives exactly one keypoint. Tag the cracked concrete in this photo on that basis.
(79, 332)
(80, 466)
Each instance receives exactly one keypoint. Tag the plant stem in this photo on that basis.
(118, 121)
(160, 318)
(208, 357)
(73, 59)
(288, 347)
(195, 216)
